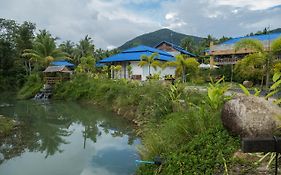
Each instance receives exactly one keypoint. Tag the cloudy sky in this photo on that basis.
(112, 22)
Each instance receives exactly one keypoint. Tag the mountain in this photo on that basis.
(153, 38)
(278, 30)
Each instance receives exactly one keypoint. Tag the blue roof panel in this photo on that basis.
(134, 57)
(134, 54)
(258, 37)
(142, 48)
(62, 63)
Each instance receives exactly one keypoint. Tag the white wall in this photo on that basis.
(143, 71)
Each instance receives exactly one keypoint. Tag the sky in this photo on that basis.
(110, 23)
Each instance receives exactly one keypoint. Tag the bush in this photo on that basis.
(31, 87)
(205, 153)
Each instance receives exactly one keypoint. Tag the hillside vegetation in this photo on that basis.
(153, 38)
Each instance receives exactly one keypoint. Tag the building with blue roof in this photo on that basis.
(224, 53)
(133, 56)
(62, 63)
(173, 49)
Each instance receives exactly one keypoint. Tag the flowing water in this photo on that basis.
(65, 138)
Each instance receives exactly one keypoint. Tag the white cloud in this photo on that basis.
(113, 22)
(170, 16)
(251, 4)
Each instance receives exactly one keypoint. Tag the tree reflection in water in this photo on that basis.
(45, 127)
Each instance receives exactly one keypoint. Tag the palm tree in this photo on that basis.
(44, 49)
(85, 48)
(150, 61)
(182, 64)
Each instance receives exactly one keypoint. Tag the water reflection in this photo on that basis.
(52, 129)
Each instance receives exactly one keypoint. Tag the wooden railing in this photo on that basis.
(224, 61)
(54, 80)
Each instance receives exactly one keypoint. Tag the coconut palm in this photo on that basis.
(150, 61)
(44, 49)
(84, 48)
(183, 64)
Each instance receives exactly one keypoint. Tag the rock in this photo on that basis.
(250, 116)
(247, 84)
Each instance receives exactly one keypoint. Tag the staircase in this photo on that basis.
(45, 93)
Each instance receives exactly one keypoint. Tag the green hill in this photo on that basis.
(278, 30)
(153, 38)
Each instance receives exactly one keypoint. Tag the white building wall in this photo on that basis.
(144, 72)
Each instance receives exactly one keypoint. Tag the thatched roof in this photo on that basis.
(57, 69)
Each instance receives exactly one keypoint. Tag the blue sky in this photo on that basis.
(112, 22)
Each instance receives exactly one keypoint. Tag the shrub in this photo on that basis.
(31, 87)
(205, 153)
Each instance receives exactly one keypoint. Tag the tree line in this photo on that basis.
(23, 52)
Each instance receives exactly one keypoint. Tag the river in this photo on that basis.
(66, 138)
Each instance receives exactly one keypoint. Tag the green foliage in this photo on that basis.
(130, 97)
(87, 65)
(183, 66)
(247, 92)
(31, 87)
(14, 38)
(117, 69)
(276, 86)
(6, 126)
(154, 38)
(85, 48)
(252, 44)
(251, 67)
(206, 152)
(172, 135)
(129, 69)
(276, 46)
(150, 61)
(44, 50)
(216, 93)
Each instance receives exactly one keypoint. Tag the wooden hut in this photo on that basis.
(54, 74)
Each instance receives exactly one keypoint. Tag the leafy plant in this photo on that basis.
(150, 61)
(276, 87)
(247, 92)
(216, 93)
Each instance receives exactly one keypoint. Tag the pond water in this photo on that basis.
(66, 138)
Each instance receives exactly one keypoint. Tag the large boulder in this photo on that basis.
(250, 116)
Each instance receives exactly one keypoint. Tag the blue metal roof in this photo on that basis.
(98, 64)
(62, 63)
(258, 37)
(135, 53)
(178, 48)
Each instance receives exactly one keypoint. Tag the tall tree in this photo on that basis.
(188, 44)
(67, 47)
(84, 48)
(44, 50)
(14, 38)
(150, 61)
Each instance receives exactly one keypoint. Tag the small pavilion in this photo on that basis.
(54, 74)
